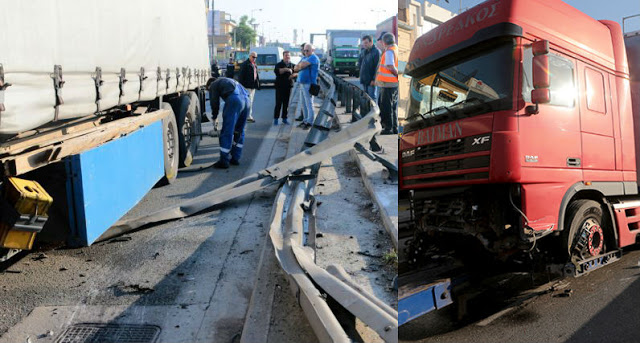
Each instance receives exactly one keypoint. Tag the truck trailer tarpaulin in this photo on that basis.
(101, 64)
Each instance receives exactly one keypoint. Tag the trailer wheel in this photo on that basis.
(584, 234)
(184, 109)
(194, 106)
(170, 146)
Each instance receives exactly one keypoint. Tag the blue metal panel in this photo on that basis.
(109, 180)
(427, 299)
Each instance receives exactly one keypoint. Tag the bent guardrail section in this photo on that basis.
(294, 215)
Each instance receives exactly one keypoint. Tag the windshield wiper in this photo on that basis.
(423, 115)
(470, 100)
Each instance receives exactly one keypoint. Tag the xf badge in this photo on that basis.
(480, 140)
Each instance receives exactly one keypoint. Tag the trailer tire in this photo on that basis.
(186, 118)
(170, 146)
(585, 230)
(197, 128)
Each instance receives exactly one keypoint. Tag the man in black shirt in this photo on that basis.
(250, 79)
(284, 82)
(234, 117)
(230, 68)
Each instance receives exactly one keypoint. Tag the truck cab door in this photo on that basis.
(551, 139)
(596, 123)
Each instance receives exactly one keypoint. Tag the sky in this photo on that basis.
(598, 9)
(278, 18)
(312, 16)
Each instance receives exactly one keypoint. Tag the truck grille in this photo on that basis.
(451, 178)
(345, 64)
(438, 167)
(476, 166)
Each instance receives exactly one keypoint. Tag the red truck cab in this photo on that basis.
(521, 126)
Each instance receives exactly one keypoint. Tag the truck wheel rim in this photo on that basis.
(590, 240)
(170, 142)
(186, 131)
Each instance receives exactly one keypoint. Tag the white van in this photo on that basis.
(268, 57)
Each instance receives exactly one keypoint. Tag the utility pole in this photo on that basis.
(210, 5)
(255, 26)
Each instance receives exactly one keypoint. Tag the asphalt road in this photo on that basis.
(192, 184)
(603, 306)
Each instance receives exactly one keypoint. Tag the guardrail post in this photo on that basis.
(349, 99)
(343, 103)
(367, 105)
(356, 102)
(374, 146)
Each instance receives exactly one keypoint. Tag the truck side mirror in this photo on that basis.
(541, 93)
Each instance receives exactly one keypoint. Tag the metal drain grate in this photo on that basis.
(109, 333)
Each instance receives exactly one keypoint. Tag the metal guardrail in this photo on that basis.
(356, 101)
(292, 233)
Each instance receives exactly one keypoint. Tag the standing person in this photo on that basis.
(215, 72)
(307, 76)
(234, 116)
(387, 80)
(284, 82)
(230, 68)
(301, 116)
(368, 62)
(250, 79)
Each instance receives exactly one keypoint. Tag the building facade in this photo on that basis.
(221, 41)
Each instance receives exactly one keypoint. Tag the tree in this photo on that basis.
(245, 34)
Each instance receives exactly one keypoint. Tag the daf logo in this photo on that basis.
(408, 153)
(480, 140)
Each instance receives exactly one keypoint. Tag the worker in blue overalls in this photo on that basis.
(234, 117)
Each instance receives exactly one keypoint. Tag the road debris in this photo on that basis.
(368, 254)
(567, 293)
(41, 256)
(120, 239)
(121, 288)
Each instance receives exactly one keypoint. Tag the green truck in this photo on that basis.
(343, 50)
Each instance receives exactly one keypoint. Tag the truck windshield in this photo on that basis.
(346, 41)
(473, 86)
(347, 53)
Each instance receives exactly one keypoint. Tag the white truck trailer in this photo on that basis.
(108, 93)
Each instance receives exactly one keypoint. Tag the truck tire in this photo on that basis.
(197, 128)
(585, 230)
(170, 147)
(186, 120)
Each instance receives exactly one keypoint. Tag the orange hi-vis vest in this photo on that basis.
(384, 77)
